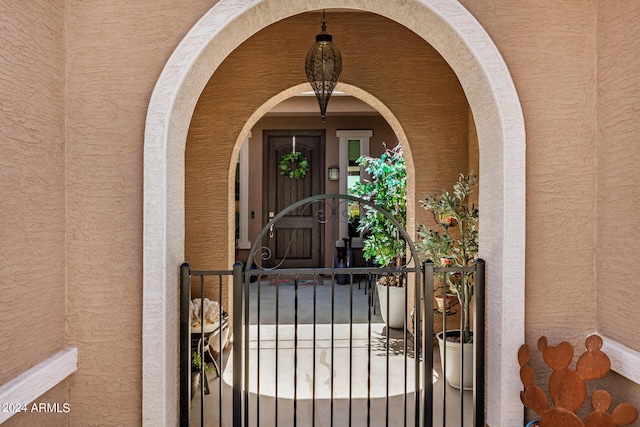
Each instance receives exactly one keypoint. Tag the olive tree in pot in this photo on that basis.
(454, 243)
(383, 243)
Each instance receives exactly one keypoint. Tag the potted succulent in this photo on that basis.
(454, 243)
(383, 243)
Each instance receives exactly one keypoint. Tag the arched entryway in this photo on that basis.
(463, 43)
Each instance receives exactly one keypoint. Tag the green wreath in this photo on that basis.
(289, 160)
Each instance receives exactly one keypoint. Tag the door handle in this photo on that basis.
(271, 215)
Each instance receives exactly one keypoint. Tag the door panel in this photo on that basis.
(297, 239)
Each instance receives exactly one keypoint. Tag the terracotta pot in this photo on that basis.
(451, 300)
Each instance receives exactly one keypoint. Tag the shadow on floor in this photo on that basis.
(354, 379)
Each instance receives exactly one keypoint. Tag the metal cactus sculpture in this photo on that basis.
(567, 387)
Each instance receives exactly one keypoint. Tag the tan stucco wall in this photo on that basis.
(618, 193)
(424, 84)
(552, 60)
(72, 170)
(32, 190)
(115, 53)
(618, 150)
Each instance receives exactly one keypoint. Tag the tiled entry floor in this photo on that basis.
(345, 357)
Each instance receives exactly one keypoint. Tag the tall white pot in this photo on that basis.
(453, 354)
(396, 304)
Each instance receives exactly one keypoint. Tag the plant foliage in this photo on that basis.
(388, 190)
(289, 160)
(197, 363)
(455, 241)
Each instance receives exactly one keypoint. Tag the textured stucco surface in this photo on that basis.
(56, 397)
(618, 151)
(551, 57)
(618, 229)
(71, 169)
(32, 198)
(424, 82)
(115, 52)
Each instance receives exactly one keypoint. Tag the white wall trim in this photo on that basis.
(624, 360)
(468, 49)
(28, 386)
(344, 135)
(365, 142)
(244, 242)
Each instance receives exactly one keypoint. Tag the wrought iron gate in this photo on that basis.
(309, 345)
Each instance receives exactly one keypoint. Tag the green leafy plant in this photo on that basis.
(455, 242)
(388, 190)
(196, 362)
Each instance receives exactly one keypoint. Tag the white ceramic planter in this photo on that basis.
(396, 305)
(453, 354)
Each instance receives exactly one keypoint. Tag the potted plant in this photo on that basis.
(454, 243)
(383, 243)
(197, 365)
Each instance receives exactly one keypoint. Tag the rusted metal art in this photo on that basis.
(532, 396)
(623, 414)
(557, 417)
(556, 357)
(568, 389)
(593, 363)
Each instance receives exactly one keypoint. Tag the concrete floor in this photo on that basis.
(353, 369)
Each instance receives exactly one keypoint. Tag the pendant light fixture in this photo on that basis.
(323, 67)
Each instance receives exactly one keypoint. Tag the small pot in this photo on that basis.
(195, 383)
(451, 300)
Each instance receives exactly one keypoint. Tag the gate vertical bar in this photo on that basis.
(443, 360)
(220, 365)
(295, 352)
(257, 350)
(369, 278)
(386, 398)
(405, 343)
(238, 312)
(350, 349)
(185, 345)
(417, 336)
(203, 381)
(463, 322)
(277, 349)
(478, 339)
(313, 356)
(427, 345)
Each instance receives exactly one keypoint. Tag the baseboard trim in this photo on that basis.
(624, 360)
(28, 386)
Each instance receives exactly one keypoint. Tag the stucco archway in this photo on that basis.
(463, 43)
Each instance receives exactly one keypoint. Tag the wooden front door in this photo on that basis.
(297, 240)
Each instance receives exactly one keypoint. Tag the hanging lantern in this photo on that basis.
(323, 67)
